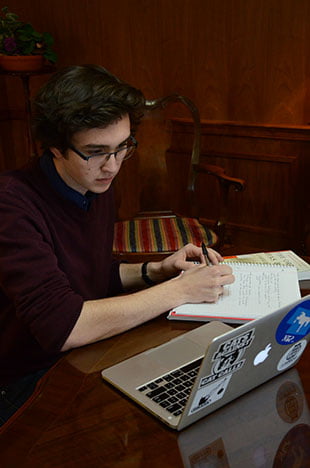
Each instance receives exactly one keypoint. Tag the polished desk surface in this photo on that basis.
(77, 420)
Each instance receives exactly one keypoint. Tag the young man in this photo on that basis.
(60, 288)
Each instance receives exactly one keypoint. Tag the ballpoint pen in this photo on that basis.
(205, 253)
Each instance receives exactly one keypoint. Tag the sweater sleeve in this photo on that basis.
(115, 285)
(30, 275)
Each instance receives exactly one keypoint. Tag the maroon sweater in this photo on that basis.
(53, 256)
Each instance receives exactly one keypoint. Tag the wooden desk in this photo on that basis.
(77, 420)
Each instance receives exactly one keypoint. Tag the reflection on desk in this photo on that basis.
(75, 419)
(268, 427)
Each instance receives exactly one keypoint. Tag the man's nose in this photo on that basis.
(111, 164)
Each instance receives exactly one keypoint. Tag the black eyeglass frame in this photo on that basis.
(130, 148)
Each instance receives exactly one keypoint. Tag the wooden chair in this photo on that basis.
(154, 234)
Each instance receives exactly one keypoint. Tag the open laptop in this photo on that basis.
(198, 372)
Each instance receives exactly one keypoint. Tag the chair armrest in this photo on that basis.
(219, 173)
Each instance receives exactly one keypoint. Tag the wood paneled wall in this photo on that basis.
(245, 60)
(238, 60)
(274, 160)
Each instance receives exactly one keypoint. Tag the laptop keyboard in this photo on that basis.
(172, 390)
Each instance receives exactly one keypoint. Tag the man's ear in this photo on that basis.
(56, 153)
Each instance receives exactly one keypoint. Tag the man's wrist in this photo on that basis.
(155, 272)
(145, 276)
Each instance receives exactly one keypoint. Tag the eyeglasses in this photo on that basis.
(122, 153)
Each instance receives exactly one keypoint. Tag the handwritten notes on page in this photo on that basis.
(258, 290)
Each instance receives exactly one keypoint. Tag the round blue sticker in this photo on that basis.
(295, 325)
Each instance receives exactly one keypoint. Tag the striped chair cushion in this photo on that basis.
(160, 234)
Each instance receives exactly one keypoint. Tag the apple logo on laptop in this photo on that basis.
(262, 355)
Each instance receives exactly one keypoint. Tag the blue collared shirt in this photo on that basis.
(48, 167)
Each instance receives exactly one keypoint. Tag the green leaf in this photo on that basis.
(50, 55)
(23, 37)
(27, 50)
(26, 29)
(47, 39)
(11, 17)
(37, 36)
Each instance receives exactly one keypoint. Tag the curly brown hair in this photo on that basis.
(82, 97)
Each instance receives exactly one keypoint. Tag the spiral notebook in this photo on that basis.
(280, 257)
(258, 290)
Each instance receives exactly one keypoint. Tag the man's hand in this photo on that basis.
(184, 259)
(205, 283)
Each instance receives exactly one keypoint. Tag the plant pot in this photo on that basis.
(21, 63)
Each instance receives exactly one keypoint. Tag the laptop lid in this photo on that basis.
(248, 356)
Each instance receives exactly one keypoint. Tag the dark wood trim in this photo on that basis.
(246, 129)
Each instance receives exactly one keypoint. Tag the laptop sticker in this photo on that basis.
(295, 325)
(226, 361)
(207, 395)
(291, 355)
(227, 358)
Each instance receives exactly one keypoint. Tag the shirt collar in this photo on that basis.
(48, 167)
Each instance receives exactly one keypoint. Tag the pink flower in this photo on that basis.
(10, 44)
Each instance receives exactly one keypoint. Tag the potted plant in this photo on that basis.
(21, 46)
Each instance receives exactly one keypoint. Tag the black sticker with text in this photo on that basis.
(227, 358)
